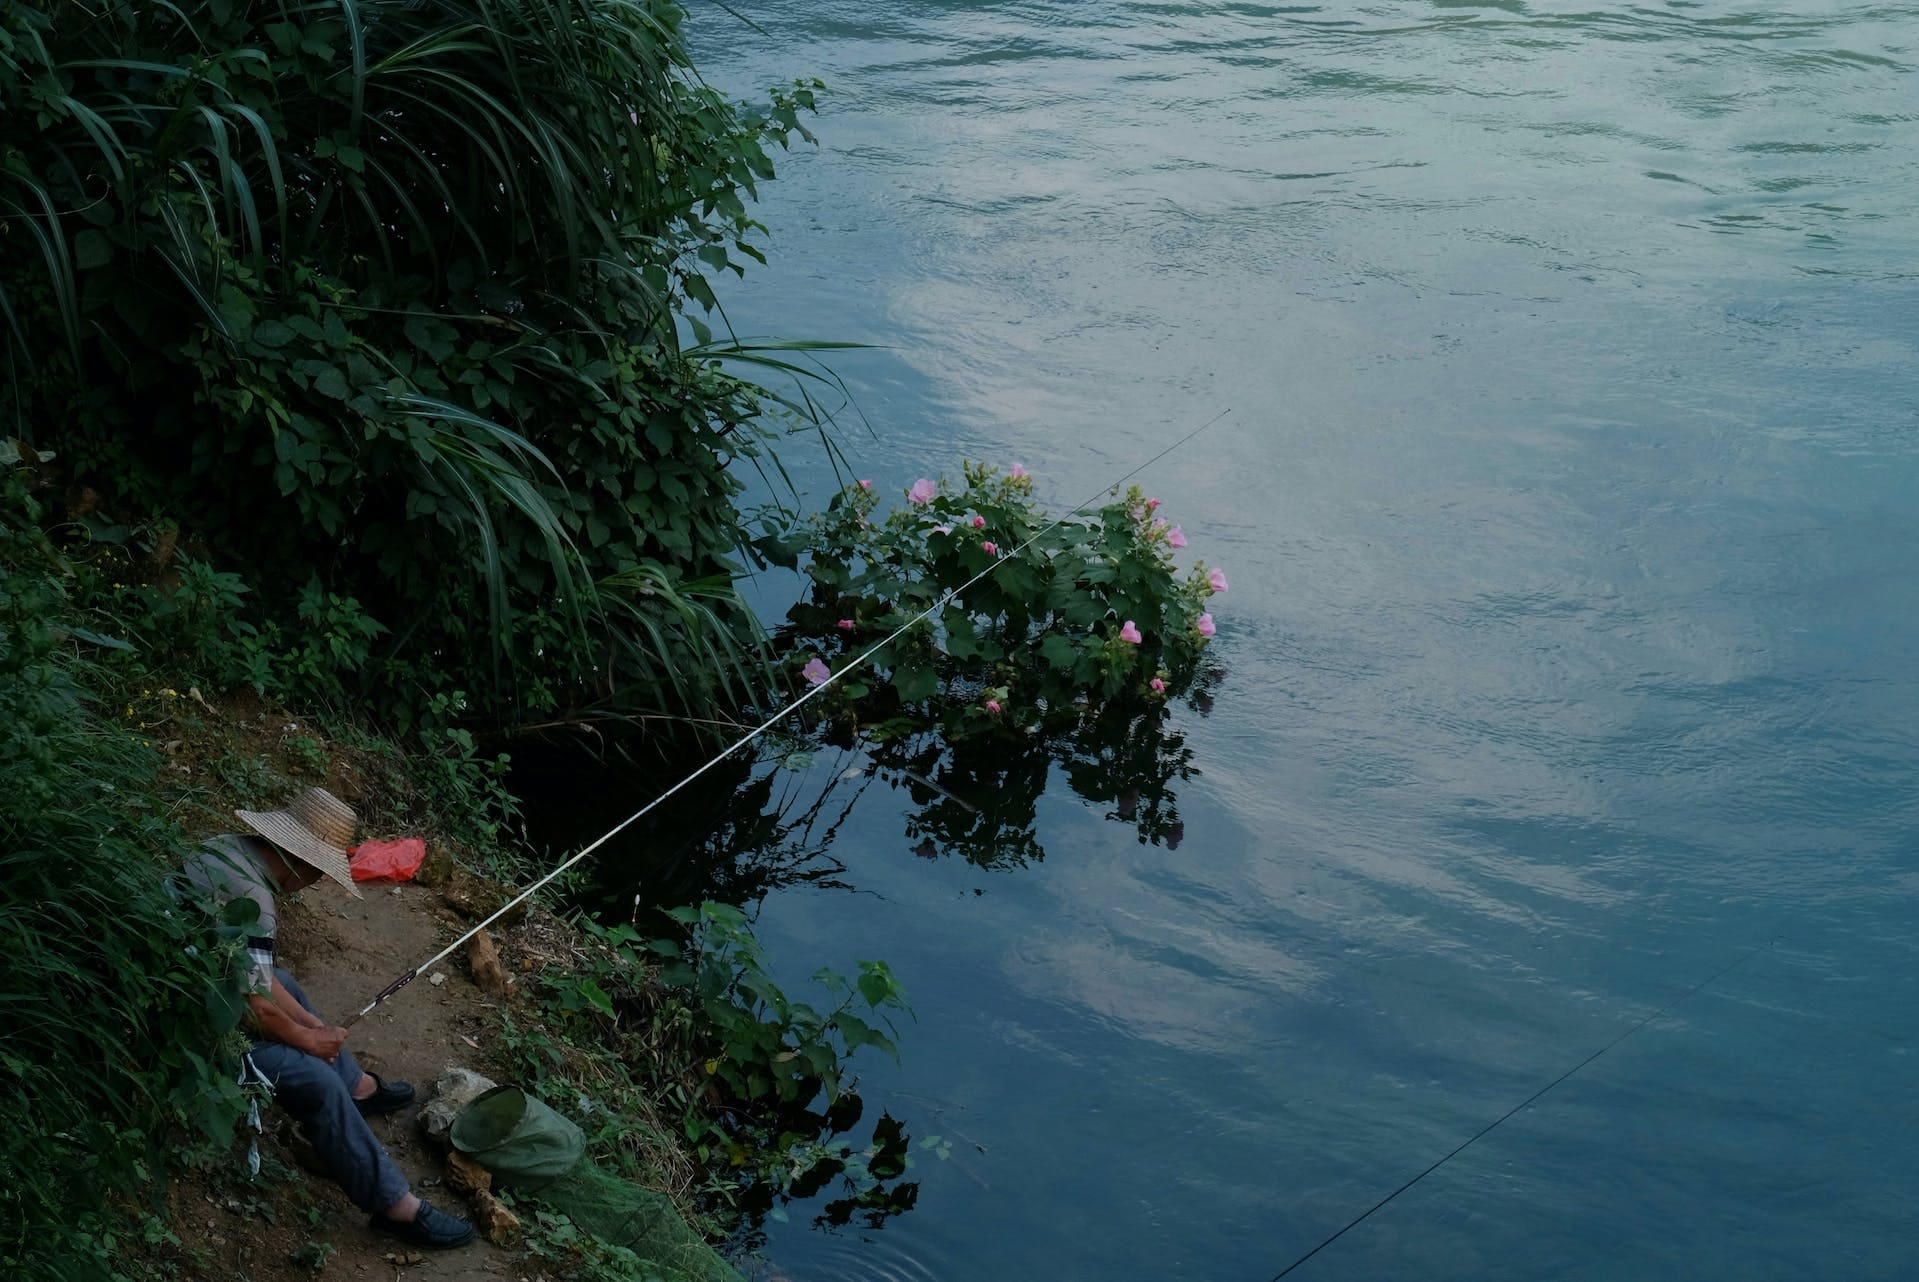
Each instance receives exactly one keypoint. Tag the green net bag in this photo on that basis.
(523, 1142)
(531, 1149)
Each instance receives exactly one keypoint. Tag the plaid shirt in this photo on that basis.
(224, 869)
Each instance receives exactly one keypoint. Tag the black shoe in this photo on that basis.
(432, 1228)
(389, 1096)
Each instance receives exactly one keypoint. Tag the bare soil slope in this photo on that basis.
(343, 950)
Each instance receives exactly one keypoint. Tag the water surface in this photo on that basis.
(1568, 504)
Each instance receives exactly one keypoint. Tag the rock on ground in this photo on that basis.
(455, 1089)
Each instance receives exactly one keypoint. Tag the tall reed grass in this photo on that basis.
(112, 1000)
(385, 299)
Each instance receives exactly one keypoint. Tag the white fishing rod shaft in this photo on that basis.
(774, 720)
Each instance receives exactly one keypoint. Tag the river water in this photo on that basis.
(1567, 500)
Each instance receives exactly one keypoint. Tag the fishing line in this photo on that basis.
(771, 721)
(1487, 1129)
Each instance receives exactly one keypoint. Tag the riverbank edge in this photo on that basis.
(499, 1007)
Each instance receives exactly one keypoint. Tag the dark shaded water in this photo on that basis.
(1568, 501)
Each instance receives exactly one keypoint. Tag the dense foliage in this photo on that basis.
(112, 1000)
(695, 1035)
(381, 303)
(368, 340)
(1074, 613)
(1059, 665)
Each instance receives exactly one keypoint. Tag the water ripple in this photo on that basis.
(1567, 504)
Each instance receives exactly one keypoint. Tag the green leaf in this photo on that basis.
(962, 642)
(877, 984)
(331, 382)
(92, 249)
(1059, 652)
(431, 335)
(94, 638)
(596, 996)
(915, 682)
(855, 1031)
(273, 333)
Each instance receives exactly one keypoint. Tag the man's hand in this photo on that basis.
(324, 1042)
(315, 1037)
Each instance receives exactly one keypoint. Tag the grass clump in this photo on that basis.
(112, 1001)
(398, 313)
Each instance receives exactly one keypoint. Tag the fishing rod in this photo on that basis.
(1493, 1125)
(768, 724)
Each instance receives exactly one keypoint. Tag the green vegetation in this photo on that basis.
(1061, 664)
(1092, 610)
(111, 1023)
(683, 1056)
(393, 313)
(357, 359)
(355, 353)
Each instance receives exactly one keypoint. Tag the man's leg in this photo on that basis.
(317, 1097)
(320, 1097)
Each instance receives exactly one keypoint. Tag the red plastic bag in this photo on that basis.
(387, 860)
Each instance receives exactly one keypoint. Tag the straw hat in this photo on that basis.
(316, 828)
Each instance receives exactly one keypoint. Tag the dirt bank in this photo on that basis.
(344, 950)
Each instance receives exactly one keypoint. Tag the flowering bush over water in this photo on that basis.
(1092, 610)
(1058, 665)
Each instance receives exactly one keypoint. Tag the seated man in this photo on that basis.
(313, 1075)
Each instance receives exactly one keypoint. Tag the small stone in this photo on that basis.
(437, 978)
(456, 1088)
(501, 1226)
(483, 959)
(437, 868)
(396, 890)
(466, 1176)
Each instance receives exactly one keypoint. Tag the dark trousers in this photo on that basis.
(319, 1096)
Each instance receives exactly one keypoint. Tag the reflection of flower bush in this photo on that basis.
(981, 792)
(1064, 655)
